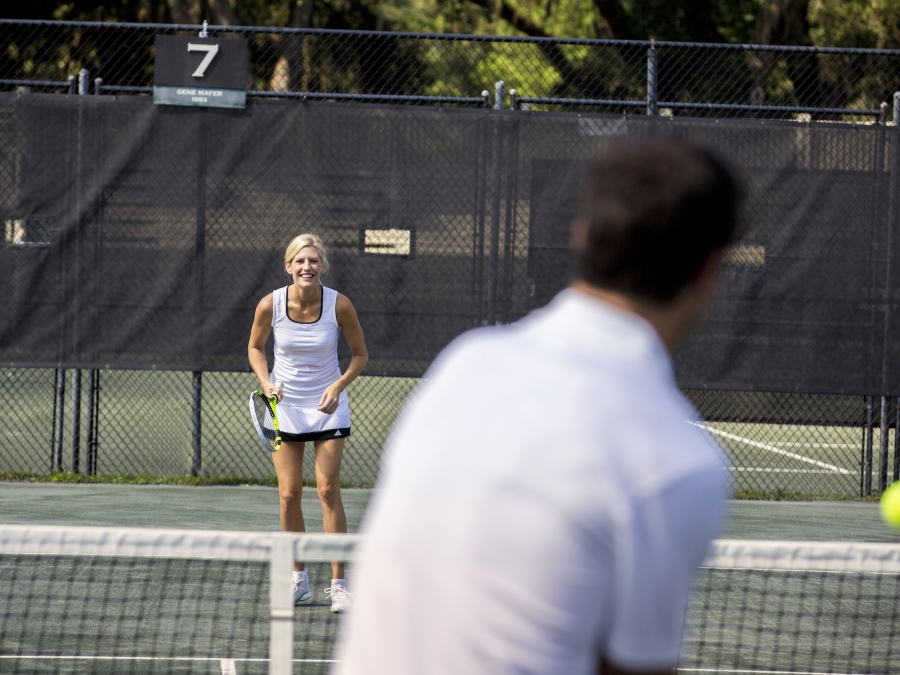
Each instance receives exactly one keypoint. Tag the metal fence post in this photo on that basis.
(59, 410)
(196, 437)
(497, 155)
(197, 300)
(652, 75)
(83, 83)
(896, 439)
(94, 375)
(513, 99)
(93, 416)
(881, 141)
(893, 139)
(867, 449)
(76, 419)
(883, 445)
(73, 84)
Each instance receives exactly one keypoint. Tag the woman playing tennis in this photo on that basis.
(307, 318)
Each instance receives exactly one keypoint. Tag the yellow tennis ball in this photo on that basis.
(890, 505)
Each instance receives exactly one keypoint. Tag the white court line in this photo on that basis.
(227, 666)
(771, 448)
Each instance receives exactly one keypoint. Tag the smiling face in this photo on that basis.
(305, 267)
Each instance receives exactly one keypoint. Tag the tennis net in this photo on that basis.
(113, 600)
(795, 607)
(110, 600)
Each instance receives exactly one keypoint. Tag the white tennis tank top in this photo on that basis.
(306, 359)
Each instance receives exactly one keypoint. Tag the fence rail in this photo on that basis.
(722, 80)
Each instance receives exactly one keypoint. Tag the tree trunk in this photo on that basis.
(223, 12)
(291, 71)
(786, 22)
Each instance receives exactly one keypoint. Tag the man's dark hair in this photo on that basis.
(655, 211)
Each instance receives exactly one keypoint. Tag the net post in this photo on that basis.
(196, 429)
(281, 612)
(883, 445)
(652, 79)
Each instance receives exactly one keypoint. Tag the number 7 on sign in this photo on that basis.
(211, 51)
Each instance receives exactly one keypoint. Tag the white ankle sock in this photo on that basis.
(299, 576)
(339, 582)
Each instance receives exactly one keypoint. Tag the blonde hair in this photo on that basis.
(304, 240)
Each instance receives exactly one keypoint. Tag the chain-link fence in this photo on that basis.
(669, 78)
(145, 423)
(122, 224)
(142, 423)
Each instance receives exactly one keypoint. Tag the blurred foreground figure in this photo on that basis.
(544, 501)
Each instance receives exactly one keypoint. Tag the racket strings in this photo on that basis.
(264, 418)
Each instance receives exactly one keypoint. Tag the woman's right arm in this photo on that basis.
(256, 349)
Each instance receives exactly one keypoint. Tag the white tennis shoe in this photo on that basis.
(340, 598)
(302, 591)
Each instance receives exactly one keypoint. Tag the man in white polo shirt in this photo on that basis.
(544, 502)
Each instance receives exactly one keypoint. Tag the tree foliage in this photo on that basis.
(389, 65)
(850, 23)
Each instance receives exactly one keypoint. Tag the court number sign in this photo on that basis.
(202, 72)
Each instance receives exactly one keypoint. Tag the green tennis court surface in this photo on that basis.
(256, 508)
(795, 459)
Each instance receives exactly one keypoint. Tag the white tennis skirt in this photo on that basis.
(308, 424)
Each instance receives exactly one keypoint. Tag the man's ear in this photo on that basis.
(578, 234)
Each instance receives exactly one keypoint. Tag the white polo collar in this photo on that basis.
(596, 327)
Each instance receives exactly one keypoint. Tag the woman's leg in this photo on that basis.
(289, 470)
(328, 482)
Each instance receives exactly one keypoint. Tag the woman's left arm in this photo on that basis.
(349, 323)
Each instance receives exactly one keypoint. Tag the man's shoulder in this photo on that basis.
(476, 344)
(672, 440)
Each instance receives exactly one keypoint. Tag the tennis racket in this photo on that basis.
(264, 413)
